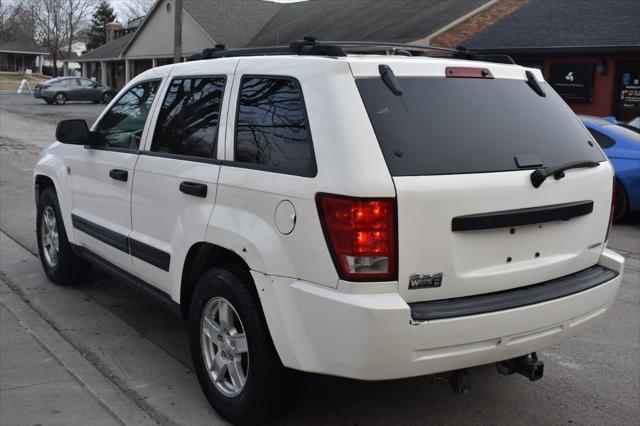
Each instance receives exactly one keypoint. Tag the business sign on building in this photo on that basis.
(573, 81)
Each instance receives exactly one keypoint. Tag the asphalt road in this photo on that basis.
(593, 378)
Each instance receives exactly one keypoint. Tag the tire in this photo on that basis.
(65, 267)
(107, 97)
(60, 99)
(269, 386)
(621, 203)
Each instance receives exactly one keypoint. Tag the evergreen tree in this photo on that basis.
(97, 35)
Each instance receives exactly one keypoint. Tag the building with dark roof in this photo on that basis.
(20, 55)
(589, 51)
(248, 23)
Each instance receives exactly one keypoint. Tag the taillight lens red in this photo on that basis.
(613, 209)
(361, 235)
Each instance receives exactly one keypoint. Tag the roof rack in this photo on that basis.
(311, 46)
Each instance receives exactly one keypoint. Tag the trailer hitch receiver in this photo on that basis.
(528, 366)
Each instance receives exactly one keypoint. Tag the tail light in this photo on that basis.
(44, 87)
(613, 209)
(361, 235)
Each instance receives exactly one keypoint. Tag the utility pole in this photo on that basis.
(177, 32)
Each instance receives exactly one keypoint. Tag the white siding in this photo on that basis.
(155, 38)
(194, 38)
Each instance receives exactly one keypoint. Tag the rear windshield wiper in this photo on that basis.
(390, 79)
(539, 175)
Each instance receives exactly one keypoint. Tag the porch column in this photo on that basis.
(103, 72)
(65, 69)
(85, 70)
(154, 63)
(41, 64)
(127, 70)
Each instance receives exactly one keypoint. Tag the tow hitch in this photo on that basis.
(459, 381)
(527, 365)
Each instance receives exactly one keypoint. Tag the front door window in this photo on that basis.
(122, 125)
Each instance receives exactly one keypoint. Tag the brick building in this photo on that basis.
(589, 51)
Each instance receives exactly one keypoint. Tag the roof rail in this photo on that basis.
(311, 46)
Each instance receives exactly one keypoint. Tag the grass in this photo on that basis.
(11, 80)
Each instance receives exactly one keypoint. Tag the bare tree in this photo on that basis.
(77, 12)
(16, 21)
(51, 26)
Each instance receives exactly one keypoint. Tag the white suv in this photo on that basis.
(364, 216)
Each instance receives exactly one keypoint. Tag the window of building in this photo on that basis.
(123, 124)
(272, 129)
(188, 120)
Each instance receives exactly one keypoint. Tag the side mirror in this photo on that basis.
(75, 132)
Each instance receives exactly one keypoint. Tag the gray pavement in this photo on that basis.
(135, 361)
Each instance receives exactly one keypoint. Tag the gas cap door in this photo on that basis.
(285, 217)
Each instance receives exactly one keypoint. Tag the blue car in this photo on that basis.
(622, 146)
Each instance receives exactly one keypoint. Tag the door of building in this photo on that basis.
(627, 96)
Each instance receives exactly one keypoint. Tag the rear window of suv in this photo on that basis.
(469, 125)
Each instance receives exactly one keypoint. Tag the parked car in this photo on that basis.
(635, 123)
(622, 146)
(364, 216)
(62, 89)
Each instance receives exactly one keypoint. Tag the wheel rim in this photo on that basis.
(60, 98)
(49, 236)
(107, 98)
(224, 346)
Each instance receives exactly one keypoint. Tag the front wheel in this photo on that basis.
(236, 363)
(59, 262)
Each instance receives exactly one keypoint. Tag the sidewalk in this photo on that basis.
(121, 377)
(35, 387)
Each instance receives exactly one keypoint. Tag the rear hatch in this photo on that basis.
(461, 152)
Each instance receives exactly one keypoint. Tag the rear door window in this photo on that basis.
(470, 125)
(272, 132)
(189, 117)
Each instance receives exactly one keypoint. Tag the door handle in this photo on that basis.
(119, 174)
(194, 188)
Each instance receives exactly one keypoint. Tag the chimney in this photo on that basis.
(111, 29)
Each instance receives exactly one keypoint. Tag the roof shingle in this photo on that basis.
(109, 51)
(25, 46)
(363, 20)
(547, 25)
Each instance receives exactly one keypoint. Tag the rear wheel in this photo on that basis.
(59, 262)
(60, 99)
(621, 203)
(237, 365)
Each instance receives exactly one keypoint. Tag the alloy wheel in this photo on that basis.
(49, 237)
(224, 346)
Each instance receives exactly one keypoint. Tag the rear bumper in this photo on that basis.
(42, 95)
(372, 336)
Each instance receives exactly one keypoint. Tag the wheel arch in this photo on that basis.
(201, 257)
(41, 183)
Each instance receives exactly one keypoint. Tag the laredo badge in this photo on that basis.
(417, 281)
